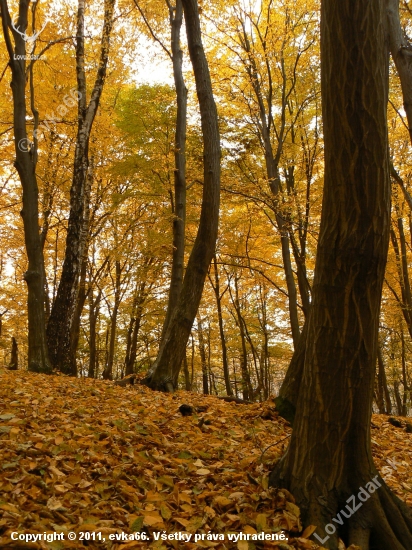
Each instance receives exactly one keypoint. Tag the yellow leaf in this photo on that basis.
(293, 509)
(185, 497)
(209, 512)
(151, 518)
(261, 522)
(84, 484)
(203, 472)
(54, 504)
(60, 489)
(9, 508)
(165, 511)
(223, 502)
(310, 529)
(56, 471)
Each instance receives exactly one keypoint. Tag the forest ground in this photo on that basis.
(87, 456)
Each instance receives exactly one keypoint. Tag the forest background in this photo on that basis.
(265, 71)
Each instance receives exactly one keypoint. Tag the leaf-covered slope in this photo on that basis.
(85, 455)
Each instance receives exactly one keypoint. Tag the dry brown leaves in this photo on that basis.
(87, 456)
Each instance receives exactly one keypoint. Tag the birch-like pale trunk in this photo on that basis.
(60, 324)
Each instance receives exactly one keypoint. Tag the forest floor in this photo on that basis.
(92, 460)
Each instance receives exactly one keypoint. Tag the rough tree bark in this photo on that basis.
(25, 164)
(165, 371)
(400, 50)
(59, 326)
(329, 457)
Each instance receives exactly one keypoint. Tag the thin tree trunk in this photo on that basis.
(165, 371)
(135, 327)
(75, 329)
(398, 399)
(247, 391)
(94, 306)
(384, 399)
(287, 399)
(218, 295)
(25, 163)
(188, 385)
(108, 371)
(202, 352)
(401, 261)
(272, 168)
(14, 359)
(62, 315)
(404, 377)
(179, 221)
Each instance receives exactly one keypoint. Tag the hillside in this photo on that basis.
(86, 456)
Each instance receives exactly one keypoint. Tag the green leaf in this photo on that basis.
(121, 424)
(166, 480)
(7, 416)
(185, 455)
(137, 525)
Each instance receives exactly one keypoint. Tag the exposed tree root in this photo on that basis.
(371, 519)
(158, 383)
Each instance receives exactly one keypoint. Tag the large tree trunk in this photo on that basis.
(59, 327)
(329, 458)
(165, 371)
(26, 158)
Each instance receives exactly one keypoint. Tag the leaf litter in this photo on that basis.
(84, 455)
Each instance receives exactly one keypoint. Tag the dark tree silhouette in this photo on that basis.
(329, 458)
(164, 373)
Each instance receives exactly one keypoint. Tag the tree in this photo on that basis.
(166, 369)
(25, 163)
(60, 324)
(179, 196)
(329, 457)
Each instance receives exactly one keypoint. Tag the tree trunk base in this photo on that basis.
(158, 383)
(372, 521)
